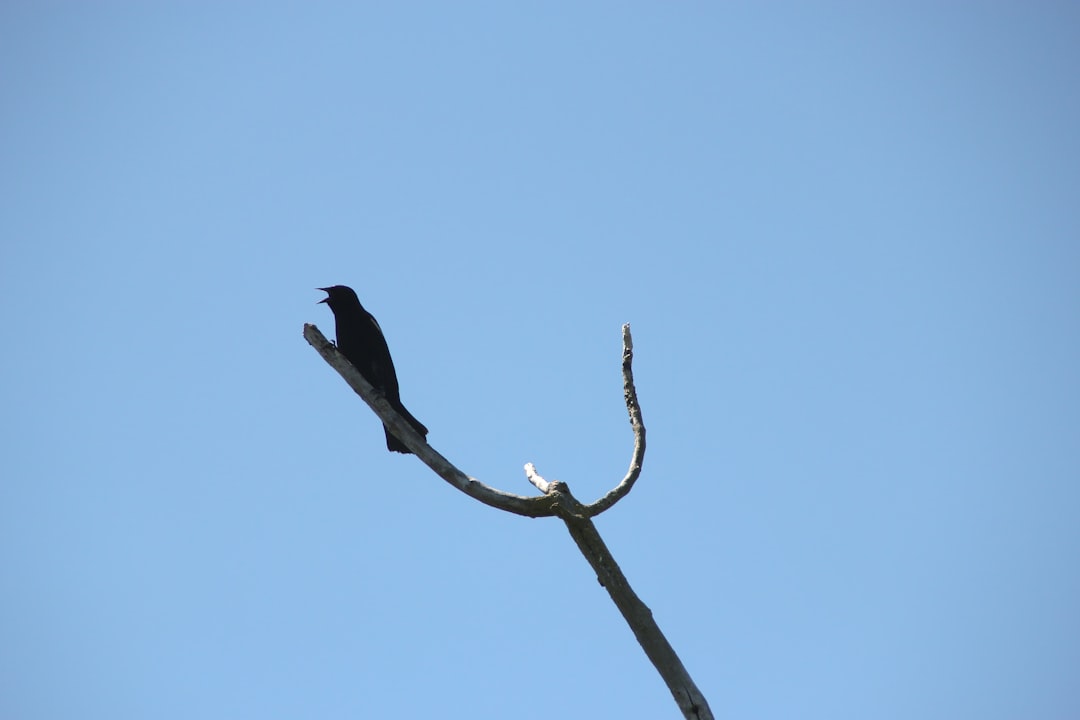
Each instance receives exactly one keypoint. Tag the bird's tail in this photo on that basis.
(392, 442)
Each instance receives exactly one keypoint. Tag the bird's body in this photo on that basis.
(360, 339)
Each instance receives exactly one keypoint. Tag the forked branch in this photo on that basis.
(555, 500)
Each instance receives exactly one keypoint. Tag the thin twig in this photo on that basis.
(633, 409)
(534, 477)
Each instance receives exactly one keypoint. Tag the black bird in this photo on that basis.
(360, 339)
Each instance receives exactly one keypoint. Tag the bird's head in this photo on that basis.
(339, 296)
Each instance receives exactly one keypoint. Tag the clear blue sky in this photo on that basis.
(847, 237)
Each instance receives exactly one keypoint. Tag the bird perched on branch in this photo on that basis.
(360, 339)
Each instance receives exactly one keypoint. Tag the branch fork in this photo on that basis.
(555, 500)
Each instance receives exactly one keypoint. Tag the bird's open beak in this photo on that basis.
(325, 298)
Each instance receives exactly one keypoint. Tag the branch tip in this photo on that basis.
(633, 409)
(534, 477)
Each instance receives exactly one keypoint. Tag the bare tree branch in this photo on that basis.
(532, 476)
(518, 504)
(556, 500)
(634, 410)
(636, 613)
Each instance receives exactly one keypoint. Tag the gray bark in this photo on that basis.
(558, 501)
